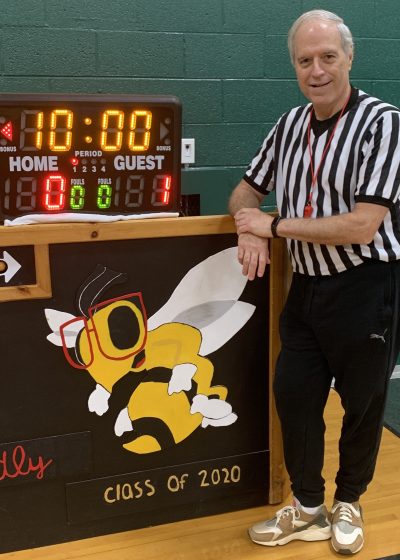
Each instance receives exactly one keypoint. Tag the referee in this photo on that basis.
(335, 167)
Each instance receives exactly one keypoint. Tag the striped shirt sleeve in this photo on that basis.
(379, 175)
(260, 172)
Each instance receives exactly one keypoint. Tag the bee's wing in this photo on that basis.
(218, 278)
(218, 322)
(55, 319)
(217, 333)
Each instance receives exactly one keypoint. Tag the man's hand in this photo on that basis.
(253, 220)
(253, 255)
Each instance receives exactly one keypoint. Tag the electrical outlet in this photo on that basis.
(188, 150)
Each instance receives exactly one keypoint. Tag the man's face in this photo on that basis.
(322, 67)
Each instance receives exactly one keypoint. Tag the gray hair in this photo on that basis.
(345, 33)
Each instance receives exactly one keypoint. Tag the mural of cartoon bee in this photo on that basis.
(113, 339)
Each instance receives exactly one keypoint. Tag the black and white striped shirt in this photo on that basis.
(362, 165)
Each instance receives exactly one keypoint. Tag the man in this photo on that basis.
(334, 165)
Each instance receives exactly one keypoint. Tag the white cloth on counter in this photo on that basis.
(71, 217)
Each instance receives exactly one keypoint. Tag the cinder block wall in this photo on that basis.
(226, 60)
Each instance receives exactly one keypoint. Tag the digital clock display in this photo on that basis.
(102, 154)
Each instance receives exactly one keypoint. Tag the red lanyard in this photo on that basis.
(308, 206)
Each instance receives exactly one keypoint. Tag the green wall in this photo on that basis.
(226, 60)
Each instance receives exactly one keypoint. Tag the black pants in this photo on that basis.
(345, 327)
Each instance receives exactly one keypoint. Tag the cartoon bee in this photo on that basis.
(114, 342)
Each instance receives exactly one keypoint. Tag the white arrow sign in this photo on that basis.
(12, 266)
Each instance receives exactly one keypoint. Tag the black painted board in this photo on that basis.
(48, 495)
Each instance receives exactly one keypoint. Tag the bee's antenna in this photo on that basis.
(97, 283)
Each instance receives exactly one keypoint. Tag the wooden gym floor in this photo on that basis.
(224, 537)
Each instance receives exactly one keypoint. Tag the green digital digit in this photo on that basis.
(104, 196)
(77, 197)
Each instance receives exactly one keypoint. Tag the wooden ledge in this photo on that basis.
(130, 229)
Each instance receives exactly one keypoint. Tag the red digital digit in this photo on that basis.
(167, 189)
(54, 192)
(161, 190)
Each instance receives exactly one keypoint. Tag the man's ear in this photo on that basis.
(351, 58)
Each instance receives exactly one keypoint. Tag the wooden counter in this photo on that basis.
(58, 257)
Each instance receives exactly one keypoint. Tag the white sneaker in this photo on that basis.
(347, 527)
(292, 523)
